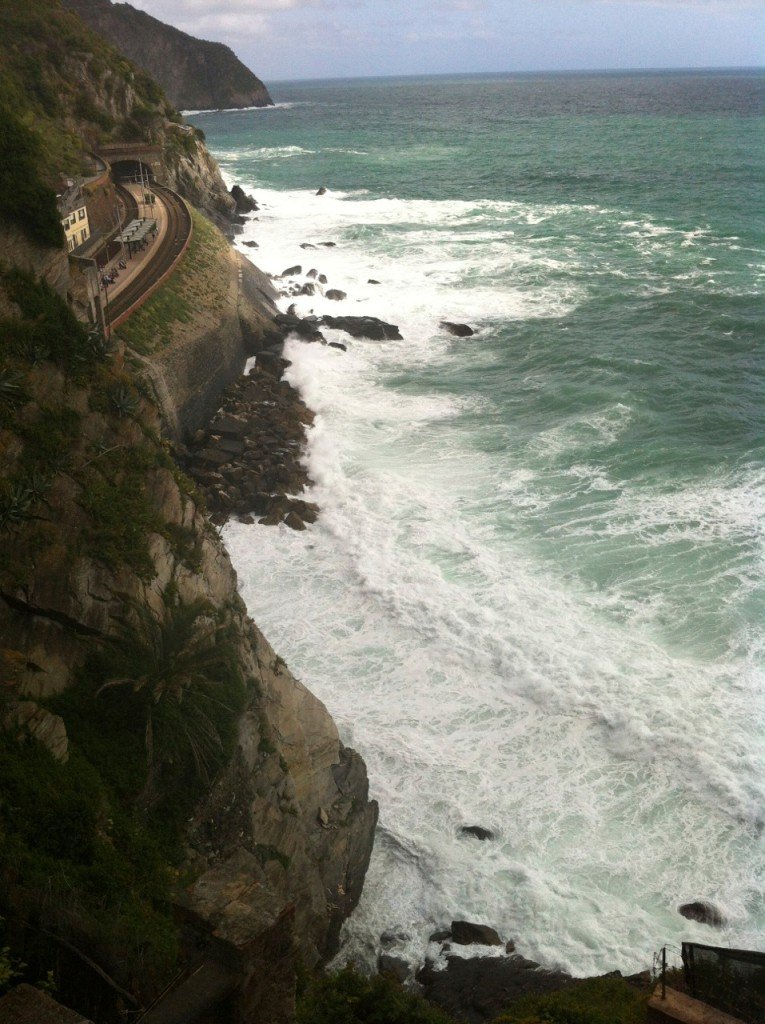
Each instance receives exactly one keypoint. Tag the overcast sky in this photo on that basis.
(287, 39)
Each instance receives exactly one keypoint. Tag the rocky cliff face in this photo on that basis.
(106, 549)
(195, 74)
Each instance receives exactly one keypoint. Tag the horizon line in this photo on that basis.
(510, 74)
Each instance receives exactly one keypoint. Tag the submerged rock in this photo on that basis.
(322, 191)
(703, 912)
(336, 294)
(458, 330)
(477, 832)
(465, 933)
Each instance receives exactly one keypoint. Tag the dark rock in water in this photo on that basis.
(292, 271)
(328, 245)
(313, 273)
(372, 281)
(478, 832)
(251, 245)
(440, 936)
(244, 203)
(247, 520)
(393, 965)
(338, 344)
(322, 191)
(292, 310)
(307, 245)
(479, 988)
(464, 933)
(239, 219)
(703, 912)
(510, 946)
(309, 288)
(322, 278)
(336, 294)
(458, 330)
(390, 938)
(293, 520)
(363, 327)
(306, 329)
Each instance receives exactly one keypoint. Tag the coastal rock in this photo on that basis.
(251, 245)
(477, 832)
(363, 327)
(307, 245)
(391, 938)
(458, 330)
(309, 288)
(465, 933)
(441, 935)
(244, 203)
(338, 344)
(313, 273)
(322, 278)
(372, 281)
(394, 966)
(703, 912)
(477, 989)
(322, 191)
(292, 271)
(336, 294)
(328, 245)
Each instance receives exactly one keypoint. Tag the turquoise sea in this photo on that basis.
(534, 599)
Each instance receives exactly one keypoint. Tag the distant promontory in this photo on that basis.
(195, 74)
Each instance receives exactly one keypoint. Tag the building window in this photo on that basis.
(70, 244)
(81, 213)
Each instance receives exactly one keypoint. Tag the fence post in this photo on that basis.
(663, 972)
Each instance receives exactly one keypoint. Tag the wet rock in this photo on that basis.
(363, 327)
(244, 203)
(510, 946)
(391, 938)
(293, 520)
(372, 281)
(322, 278)
(322, 191)
(458, 330)
(338, 344)
(309, 288)
(477, 832)
(247, 520)
(465, 933)
(251, 245)
(307, 245)
(328, 245)
(393, 966)
(292, 271)
(313, 273)
(703, 912)
(477, 989)
(440, 936)
(336, 294)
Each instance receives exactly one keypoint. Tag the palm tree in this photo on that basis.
(181, 671)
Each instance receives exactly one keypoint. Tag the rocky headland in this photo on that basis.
(194, 73)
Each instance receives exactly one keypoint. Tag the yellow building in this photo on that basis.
(74, 217)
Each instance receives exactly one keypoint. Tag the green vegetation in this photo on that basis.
(349, 997)
(54, 70)
(25, 198)
(198, 286)
(594, 1001)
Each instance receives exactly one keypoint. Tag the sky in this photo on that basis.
(296, 39)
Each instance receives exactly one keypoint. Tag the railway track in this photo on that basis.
(163, 255)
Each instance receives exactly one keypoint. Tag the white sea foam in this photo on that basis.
(244, 110)
(484, 685)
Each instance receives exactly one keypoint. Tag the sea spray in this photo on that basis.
(533, 599)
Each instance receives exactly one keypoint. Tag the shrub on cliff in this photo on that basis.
(349, 997)
(594, 1001)
(25, 199)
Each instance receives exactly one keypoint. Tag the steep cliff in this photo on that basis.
(170, 795)
(195, 74)
(77, 94)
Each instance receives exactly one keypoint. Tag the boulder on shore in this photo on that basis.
(292, 271)
(336, 294)
(244, 203)
(703, 912)
(465, 933)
